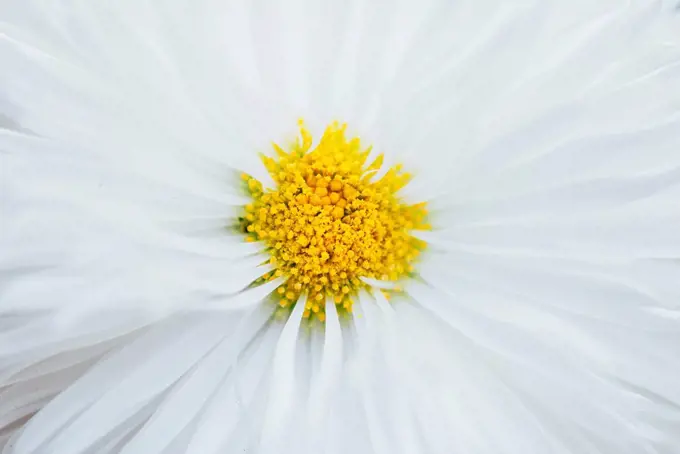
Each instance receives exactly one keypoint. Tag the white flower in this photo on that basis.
(543, 136)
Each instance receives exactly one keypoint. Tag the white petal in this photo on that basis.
(234, 408)
(281, 396)
(325, 382)
(194, 391)
(102, 400)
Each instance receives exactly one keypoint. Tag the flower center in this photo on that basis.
(329, 223)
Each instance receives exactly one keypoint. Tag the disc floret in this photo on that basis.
(328, 222)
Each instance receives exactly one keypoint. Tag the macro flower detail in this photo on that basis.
(332, 222)
(329, 227)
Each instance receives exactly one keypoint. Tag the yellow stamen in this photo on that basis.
(327, 224)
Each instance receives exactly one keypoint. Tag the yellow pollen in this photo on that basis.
(327, 224)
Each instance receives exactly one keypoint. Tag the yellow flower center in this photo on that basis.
(329, 223)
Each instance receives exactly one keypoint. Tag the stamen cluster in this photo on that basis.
(327, 223)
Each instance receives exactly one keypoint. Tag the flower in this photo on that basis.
(513, 285)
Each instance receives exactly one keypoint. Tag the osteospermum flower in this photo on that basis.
(320, 226)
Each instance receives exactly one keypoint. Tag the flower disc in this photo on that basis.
(329, 223)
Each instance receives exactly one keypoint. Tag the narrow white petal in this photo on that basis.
(195, 390)
(178, 345)
(281, 396)
(327, 380)
(235, 408)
